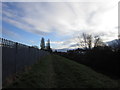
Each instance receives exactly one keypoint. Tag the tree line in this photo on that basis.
(93, 52)
(88, 41)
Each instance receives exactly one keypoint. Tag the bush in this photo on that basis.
(101, 59)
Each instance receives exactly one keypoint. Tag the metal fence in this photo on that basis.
(16, 56)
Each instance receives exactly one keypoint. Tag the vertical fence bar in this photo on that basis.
(16, 48)
(19, 54)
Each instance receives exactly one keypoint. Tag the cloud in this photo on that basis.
(74, 45)
(56, 42)
(63, 18)
(11, 33)
(32, 42)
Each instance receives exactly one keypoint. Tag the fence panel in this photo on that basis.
(8, 62)
(16, 56)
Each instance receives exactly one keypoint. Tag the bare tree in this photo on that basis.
(89, 41)
(98, 41)
(84, 35)
(80, 42)
(85, 41)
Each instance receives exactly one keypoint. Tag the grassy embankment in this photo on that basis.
(58, 72)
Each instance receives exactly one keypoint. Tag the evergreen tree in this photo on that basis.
(42, 44)
(48, 46)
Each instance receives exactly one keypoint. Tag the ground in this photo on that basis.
(54, 71)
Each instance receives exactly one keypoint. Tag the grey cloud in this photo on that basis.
(91, 17)
(73, 45)
(66, 42)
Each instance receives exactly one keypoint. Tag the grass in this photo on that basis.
(58, 72)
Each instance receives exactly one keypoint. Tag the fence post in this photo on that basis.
(16, 50)
(16, 47)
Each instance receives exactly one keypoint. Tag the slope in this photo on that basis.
(55, 71)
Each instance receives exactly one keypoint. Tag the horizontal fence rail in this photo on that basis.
(17, 56)
(11, 44)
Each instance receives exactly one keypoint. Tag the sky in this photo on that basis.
(61, 22)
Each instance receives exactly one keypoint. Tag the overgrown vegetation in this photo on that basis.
(102, 59)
